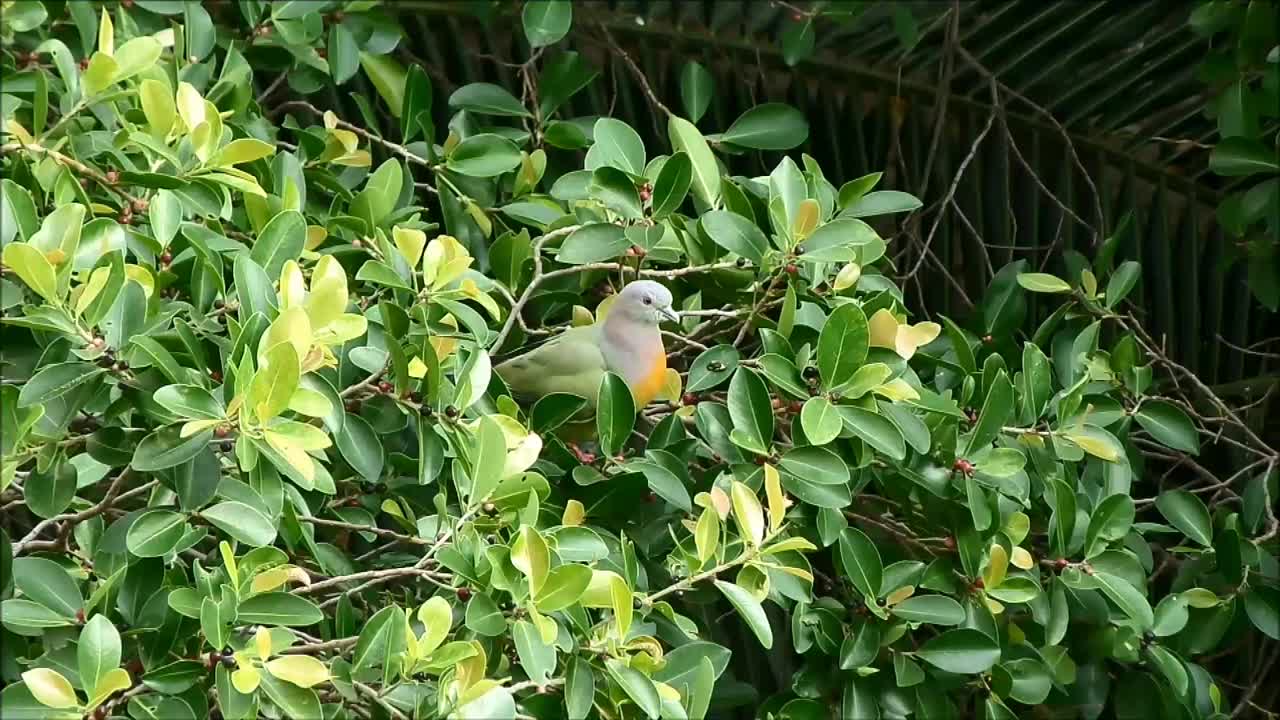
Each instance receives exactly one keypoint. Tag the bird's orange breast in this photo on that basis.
(651, 384)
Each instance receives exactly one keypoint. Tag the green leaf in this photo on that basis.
(637, 686)
(932, 609)
(54, 381)
(31, 616)
(684, 661)
(838, 241)
(616, 145)
(360, 447)
(380, 273)
(869, 204)
(51, 491)
(98, 650)
(696, 86)
(1127, 598)
(1111, 521)
(820, 420)
(579, 689)
(750, 610)
(487, 99)
(751, 410)
(388, 79)
(296, 702)
(772, 126)
(1187, 513)
(381, 638)
(617, 191)
(242, 522)
(490, 459)
(736, 234)
(1262, 604)
(546, 21)
(563, 587)
(665, 484)
(964, 651)
(1043, 283)
(278, 608)
(842, 345)
(671, 185)
(996, 411)
(1169, 425)
(1237, 156)
(706, 173)
(281, 239)
(165, 448)
(483, 616)
(875, 430)
(46, 582)
(155, 533)
(593, 242)
(536, 657)
(344, 53)
(816, 465)
(484, 155)
(615, 413)
(1122, 281)
(861, 562)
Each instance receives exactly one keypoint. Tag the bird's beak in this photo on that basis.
(670, 314)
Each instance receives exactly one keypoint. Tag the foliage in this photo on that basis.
(1244, 71)
(255, 458)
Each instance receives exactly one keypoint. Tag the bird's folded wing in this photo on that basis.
(569, 363)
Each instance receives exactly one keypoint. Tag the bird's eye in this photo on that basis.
(648, 301)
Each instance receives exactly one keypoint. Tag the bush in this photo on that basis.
(256, 459)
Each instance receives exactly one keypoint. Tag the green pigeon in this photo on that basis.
(626, 342)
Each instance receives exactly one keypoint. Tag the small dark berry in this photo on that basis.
(337, 16)
(795, 407)
(415, 397)
(490, 509)
(799, 250)
(353, 406)
(166, 258)
(979, 584)
(215, 376)
(228, 661)
(963, 466)
(121, 366)
(651, 498)
(451, 412)
(810, 373)
(740, 262)
(226, 447)
(689, 399)
(950, 542)
(322, 52)
(792, 269)
(464, 594)
(84, 64)
(384, 387)
(760, 459)
(80, 616)
(221, 431)
(1061, 564)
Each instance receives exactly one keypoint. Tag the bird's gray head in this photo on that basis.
(644, 301)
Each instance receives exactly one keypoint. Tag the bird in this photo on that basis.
(626, 342)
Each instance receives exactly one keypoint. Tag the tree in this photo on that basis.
(255, 458)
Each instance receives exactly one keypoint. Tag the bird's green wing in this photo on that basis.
(569, 363)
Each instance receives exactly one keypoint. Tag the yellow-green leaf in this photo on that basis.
(777, 502)
(106, 34)
(530, 556)
(275, 384)
(246, 679)
(190, 106)
(748, 513)
(262, 643)
(436, 616)
(242, 151)
(706, 536)
(410, 242)
(301, 670)
(997, 567)
(50, 688)
(158, 106)
(111, 682)
(33, 267)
